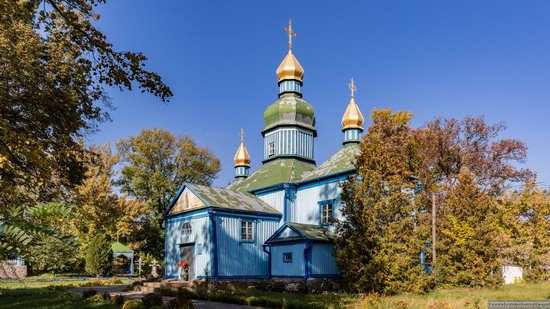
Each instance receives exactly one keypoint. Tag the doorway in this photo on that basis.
(188, 256)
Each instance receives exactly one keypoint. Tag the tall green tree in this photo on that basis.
(156, 163)
(99, 256)
(380, 240)
(468, 238)
(524, 221)
(98, 209)
(55, 65)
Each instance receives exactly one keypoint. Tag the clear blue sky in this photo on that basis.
(434, 58)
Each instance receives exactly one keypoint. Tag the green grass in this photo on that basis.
(50, 298)
(459, 297)
(47, 292)
(439, 299)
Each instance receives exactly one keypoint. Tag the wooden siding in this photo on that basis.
(323, 261)
(275, 200)
(282, 269)
(306, 209)
(237, 258)
(290, 142)
(199, 237)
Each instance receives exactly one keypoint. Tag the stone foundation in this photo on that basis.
(10, 271)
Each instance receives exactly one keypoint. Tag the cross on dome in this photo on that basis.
(291, 34)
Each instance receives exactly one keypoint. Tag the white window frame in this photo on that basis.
(247, 231)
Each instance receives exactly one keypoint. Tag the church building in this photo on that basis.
(277, 221)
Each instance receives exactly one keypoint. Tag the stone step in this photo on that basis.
(153, 284)
(147, 289)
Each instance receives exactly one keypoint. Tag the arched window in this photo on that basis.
(186, 229)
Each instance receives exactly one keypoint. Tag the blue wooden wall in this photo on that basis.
(323, 261)
(282, 269)
(200, 237)
(238, 258)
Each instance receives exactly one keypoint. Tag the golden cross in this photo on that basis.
(242, 135)
(352, 87)
(291, 34)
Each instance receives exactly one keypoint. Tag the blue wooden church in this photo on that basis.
(276, 222)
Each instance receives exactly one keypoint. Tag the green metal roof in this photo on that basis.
(341, 161)
(119, 247)
(290, 109)
(231, 199)
(272, 173)
(312, 232)
(304, 231)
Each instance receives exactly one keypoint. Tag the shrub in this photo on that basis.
(149, 300)
(95, 299)
(99, 256)
(117, 299)
(133, 304)
(88, 293)
(180, 303)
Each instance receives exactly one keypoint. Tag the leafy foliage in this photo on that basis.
(99, 256)
(462, 162)
(53, 255)
(468, 247)
(379, 243)
(55, 65)
(157, 162)
(524, 222)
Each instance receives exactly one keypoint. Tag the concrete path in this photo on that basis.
(203, 304)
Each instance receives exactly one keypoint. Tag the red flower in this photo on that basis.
(183, 264)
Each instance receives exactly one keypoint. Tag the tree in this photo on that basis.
(524, 222)
(98, 209)
(448, 145)
(54, 65)
(99, 256)
(53, 255)
(156, 162)
(379, 241)
(468, 246)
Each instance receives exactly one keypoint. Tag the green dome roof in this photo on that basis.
(289, 109)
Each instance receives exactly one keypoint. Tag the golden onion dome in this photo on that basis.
(241, 157)
(290, 68)
(352, 119)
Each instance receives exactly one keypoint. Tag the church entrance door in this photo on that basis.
(188, 256)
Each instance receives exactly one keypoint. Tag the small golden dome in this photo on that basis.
(290, 68)
(241, 157)
(352, 119)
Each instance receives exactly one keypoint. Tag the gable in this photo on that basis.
(287, 233)
(187, 201)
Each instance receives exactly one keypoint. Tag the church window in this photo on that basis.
(326, 213)
(271, 149)
(187, 229)
(247, 232)
(287, 257)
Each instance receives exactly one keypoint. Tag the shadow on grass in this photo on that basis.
(48, 297)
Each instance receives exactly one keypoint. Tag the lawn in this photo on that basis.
(459, 297)
(49, 292)
(439, 299)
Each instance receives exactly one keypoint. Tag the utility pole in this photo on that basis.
(433, 229)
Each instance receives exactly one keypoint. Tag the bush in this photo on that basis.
(99, 256)
(95, 299)
(133, 304)
(88, 293)
(53, 255)
(151, 300)
(180, 303)
(117, 299)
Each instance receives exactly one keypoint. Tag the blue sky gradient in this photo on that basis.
(434, 58)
